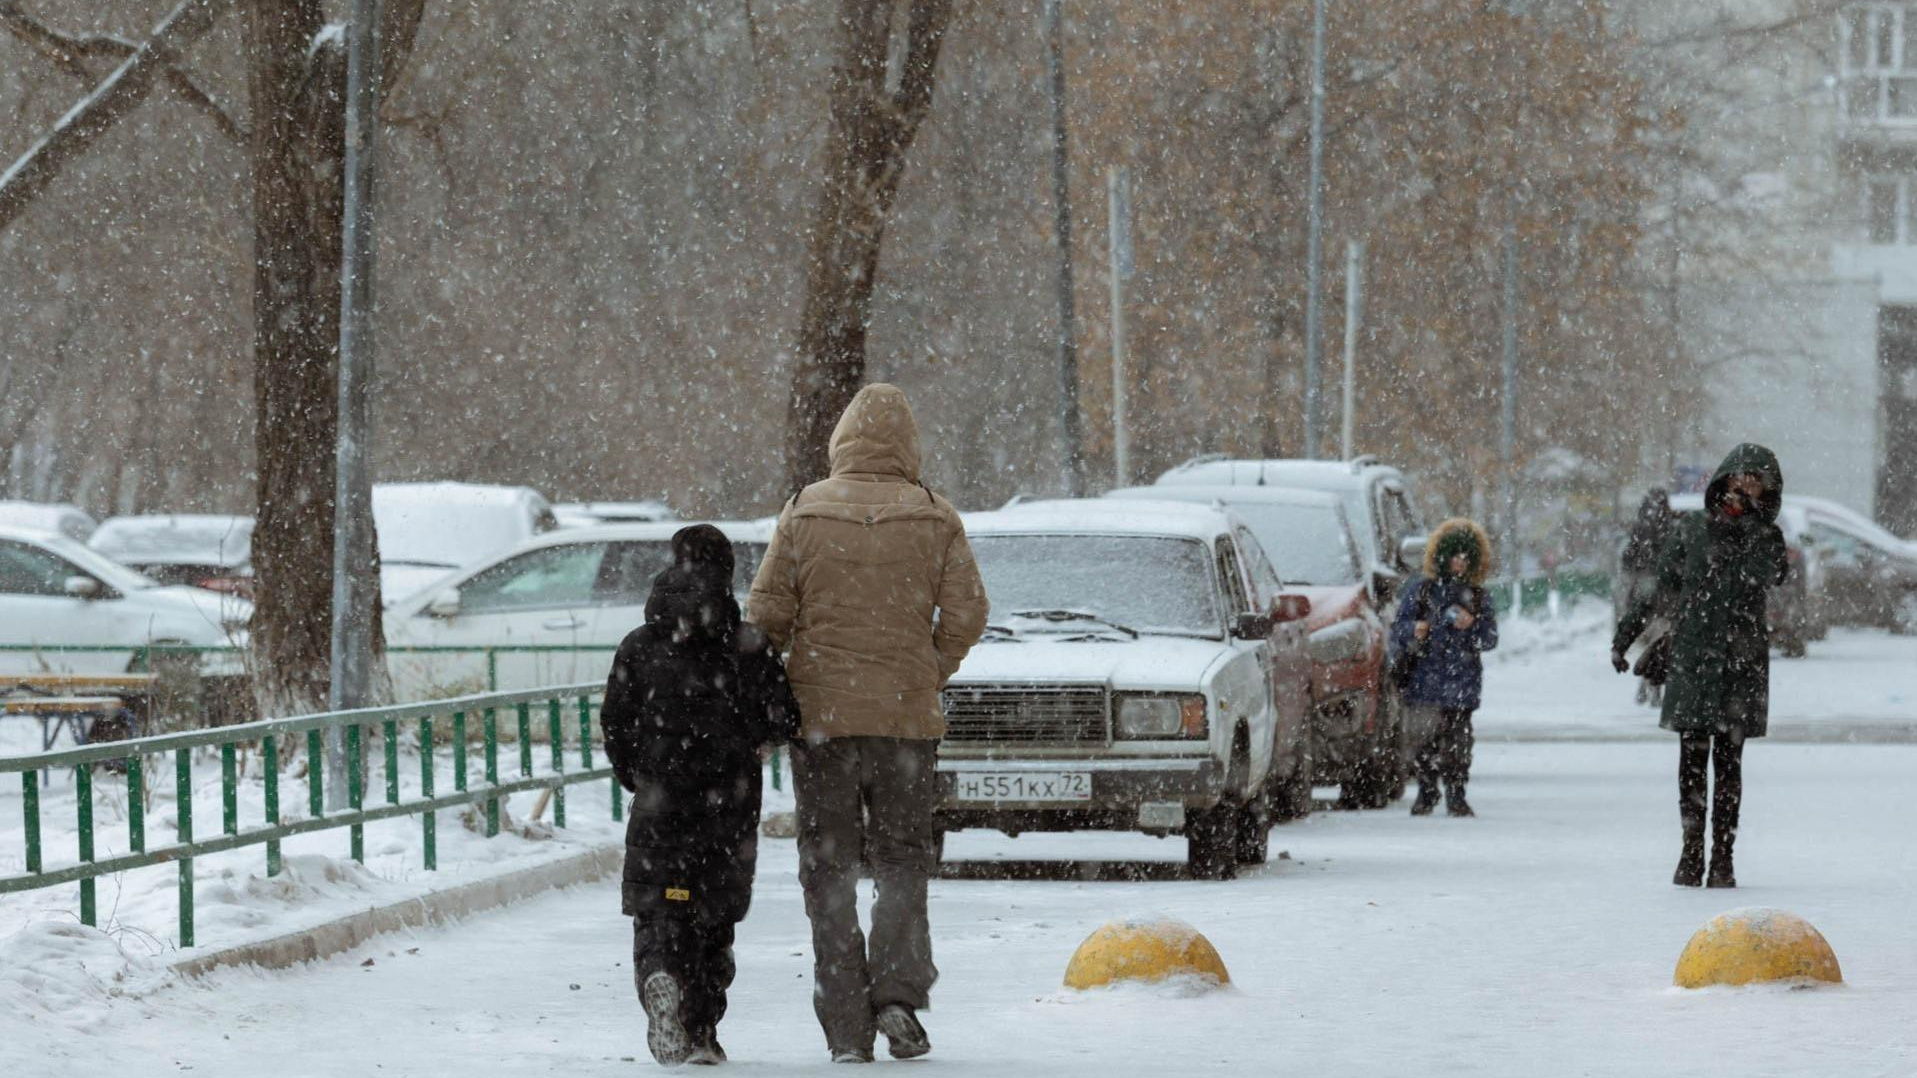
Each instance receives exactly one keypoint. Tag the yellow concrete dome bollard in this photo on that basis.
(1143, 951)
(1756, 945)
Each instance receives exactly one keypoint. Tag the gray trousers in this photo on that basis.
(870, 801)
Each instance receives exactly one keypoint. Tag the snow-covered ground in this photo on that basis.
(1551, 679)
(1538, 939)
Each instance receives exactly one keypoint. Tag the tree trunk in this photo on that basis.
(296, 89)
(870, 132)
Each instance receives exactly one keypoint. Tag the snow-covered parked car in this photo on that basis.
(57, 518)
(548, 612)
(587, 514)
(1376, 497)
(1356, 732)
(195, 549)
(1142, 672)
(428, 530)
(65, 608)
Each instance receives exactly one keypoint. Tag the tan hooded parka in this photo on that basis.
(870, 582)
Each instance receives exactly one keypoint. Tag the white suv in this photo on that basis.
(1375, 496)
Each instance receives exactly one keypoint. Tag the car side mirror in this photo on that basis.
(1411, 553)
(1252, 627)
(1290, 608)
(445, 604)
(82, 587)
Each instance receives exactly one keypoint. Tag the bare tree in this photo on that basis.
(871, 130)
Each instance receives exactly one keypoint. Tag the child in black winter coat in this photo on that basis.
(694, 694)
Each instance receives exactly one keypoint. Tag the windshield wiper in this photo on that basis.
(1075, 615)
(1005, 631)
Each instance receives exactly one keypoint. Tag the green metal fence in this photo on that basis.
(428, 720)
(143, 656)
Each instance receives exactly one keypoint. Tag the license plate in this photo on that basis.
(1023, 785)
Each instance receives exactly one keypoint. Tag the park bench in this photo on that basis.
(91, 707)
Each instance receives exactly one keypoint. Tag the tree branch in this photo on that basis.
(70, 52)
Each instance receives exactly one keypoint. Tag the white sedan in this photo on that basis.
(1142, 672)
(65, 608)
(549, 612)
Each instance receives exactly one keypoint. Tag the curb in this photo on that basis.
(438, 907)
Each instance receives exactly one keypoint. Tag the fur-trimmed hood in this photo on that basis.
(1453, 529)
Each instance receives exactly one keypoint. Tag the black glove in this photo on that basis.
(1619, 663)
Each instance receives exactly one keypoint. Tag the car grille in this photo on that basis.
(1026, 715)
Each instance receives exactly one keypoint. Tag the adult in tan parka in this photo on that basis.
(870, 583)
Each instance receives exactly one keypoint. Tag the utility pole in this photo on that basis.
(1068, 433)
(1354, 313)
(351, 671)
(1508, 434)
(1118, 217)
(1315, 247)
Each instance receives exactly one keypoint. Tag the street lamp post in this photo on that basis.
(350, 681)
(1315, 243)
(1068, 428)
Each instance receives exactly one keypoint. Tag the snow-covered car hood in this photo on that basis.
(1149, 662)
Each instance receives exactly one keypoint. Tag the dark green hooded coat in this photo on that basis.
(1714, 575)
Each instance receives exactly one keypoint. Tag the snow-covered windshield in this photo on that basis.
(1147, 583)
(178, 540)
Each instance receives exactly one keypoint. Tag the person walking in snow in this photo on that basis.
(870, 582)
(1637, 570)
(1713, 580)
(693, 695)
(1444, 623)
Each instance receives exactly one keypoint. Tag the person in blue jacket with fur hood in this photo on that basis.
(1444, 623)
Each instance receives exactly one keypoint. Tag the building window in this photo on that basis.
(1878, 73)
(1887, 206)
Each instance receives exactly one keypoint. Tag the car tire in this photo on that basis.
(1293, 798)
(1251, 827)
(1210, 842)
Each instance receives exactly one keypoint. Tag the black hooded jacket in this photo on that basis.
(693, 694)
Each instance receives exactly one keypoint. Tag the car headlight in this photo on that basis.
(1159, 717)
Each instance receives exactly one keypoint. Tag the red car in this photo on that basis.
(1356, 738)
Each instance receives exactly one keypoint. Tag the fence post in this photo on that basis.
(492, 772)
(270, 746)
(136, 803)
(183, 800)
(556, 729)
(390, 729)
(459, 750)
(229, 790)
(525, 739)
(355, 790)
(429, 819)
(30, 813)
(315, 775)
(83, 793)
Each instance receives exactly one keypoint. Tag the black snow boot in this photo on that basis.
(1428, 797)
(1454, 802)
(904, 1036)
(666, 1035)
(1690, 863)
(1723, 873)
(706, 1051)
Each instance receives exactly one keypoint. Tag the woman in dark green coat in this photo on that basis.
(1714, 576)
